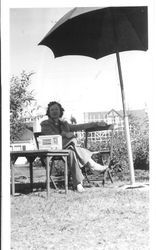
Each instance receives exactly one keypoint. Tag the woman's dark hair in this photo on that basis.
(53, 103)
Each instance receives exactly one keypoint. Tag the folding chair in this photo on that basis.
(105, 155)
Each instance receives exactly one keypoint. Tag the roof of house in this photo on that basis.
(113, 110)
(139, 114)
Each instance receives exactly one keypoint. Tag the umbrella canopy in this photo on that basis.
(98, 32)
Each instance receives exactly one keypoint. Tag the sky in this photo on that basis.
(81, 84)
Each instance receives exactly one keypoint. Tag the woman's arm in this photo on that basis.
(84, 126)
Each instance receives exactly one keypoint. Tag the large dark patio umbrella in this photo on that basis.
(97, 32)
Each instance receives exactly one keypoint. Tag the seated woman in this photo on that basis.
(78, 156)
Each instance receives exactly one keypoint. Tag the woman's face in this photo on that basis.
(54, 111)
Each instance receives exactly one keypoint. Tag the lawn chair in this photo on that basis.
(105, 155)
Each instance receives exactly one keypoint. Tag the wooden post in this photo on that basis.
(47, 175)
(112, 142)
(127, 132)
(12, 178)
(31, 175)
(13, 159)
(86, 139)
(64, 158)
(50, 172)
(66, 174)
(30, 160)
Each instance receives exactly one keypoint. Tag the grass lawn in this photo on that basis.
(101, 218)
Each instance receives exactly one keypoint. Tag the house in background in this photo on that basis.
(26, 142)
(112, 117)
(115, 117)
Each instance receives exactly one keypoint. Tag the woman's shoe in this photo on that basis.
(80, 188)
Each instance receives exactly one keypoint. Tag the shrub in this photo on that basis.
(120, 153)
(140, 147)
(139, 142)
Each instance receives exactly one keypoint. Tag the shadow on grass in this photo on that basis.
(40, 186)
(25, 188)
(22, 186)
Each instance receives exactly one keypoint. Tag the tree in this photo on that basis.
(20, 98)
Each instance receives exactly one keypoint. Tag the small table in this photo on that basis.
(31, 155)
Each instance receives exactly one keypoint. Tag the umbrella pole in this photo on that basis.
(126, 123)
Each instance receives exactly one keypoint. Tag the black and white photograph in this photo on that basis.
(77, 169)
